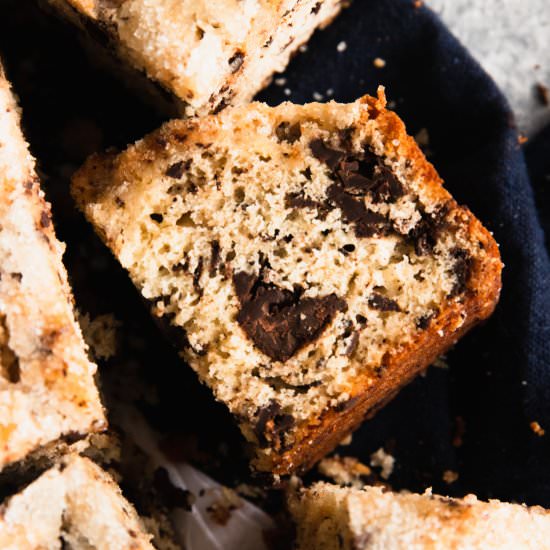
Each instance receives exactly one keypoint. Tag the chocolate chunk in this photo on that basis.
(279, 321)
(424, 321)
(462, 270)
(426, 232)
(299, 200)
(157, 217)
(356, 177)
(361, 319)
(331, 157)
(214, 258)
(347, 249)
(176, 170)
(383, 303)
(235, 61)
(44, 219)
(171, 496)
(353, 343)
(315, 9)
(288, 132)
(271, 424)
(197, 277)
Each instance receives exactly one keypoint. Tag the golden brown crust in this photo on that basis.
(343, 518)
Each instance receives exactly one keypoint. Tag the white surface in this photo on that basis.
(511, 40)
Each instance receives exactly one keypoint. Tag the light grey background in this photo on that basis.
(511, 40)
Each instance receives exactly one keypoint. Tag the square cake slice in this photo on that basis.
(47, 386)
(207, 53)
(306, 260)
(329, 517)
(73, 505)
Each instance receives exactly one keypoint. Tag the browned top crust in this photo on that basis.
(47, 384)
(338, 518)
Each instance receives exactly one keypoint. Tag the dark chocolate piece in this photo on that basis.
(271, 424)
(197, 276)
(176, 170)
(462, 270)
(426, 232)
(279, 321)
(288, 132)
(383, 303)
(331, 157)
(214, 258)
(44, 219)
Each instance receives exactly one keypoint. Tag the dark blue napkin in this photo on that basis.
(473, 418)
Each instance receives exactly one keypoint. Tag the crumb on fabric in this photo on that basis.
(347, 440)
(522, 139)
(317, 96)
(422, 137)
(346, 470)
(341, 46)
(303, 48)
(537, 428)
(280, 81)
(450, 476)
(287, 91)
(441, 362)
(418, 3)
(100, 333)
(379, 63)
(385, 461)
(220, 510)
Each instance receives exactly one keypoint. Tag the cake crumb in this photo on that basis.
(341, 46)
(220, 510)
(346, 470)
(522, 139)
(543, 93)
(100, 334)
(379, 63)
(450, 476)
(330, 92)
(537, 428)
(287, 91)
(441, 362)
(280, 81)
(422, 137)
(347, 440)
(382, 459)
(418, 3)
(317, 96)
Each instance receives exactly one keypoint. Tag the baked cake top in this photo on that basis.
(209, 53)
(329, 517)
(47, 384)
(73, 505)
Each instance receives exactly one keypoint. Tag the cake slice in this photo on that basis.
(306, 260)
(47, 387)
(329, 517)
(73, 505)
(207, 53)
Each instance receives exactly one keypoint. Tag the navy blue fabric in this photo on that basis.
(499, 376)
